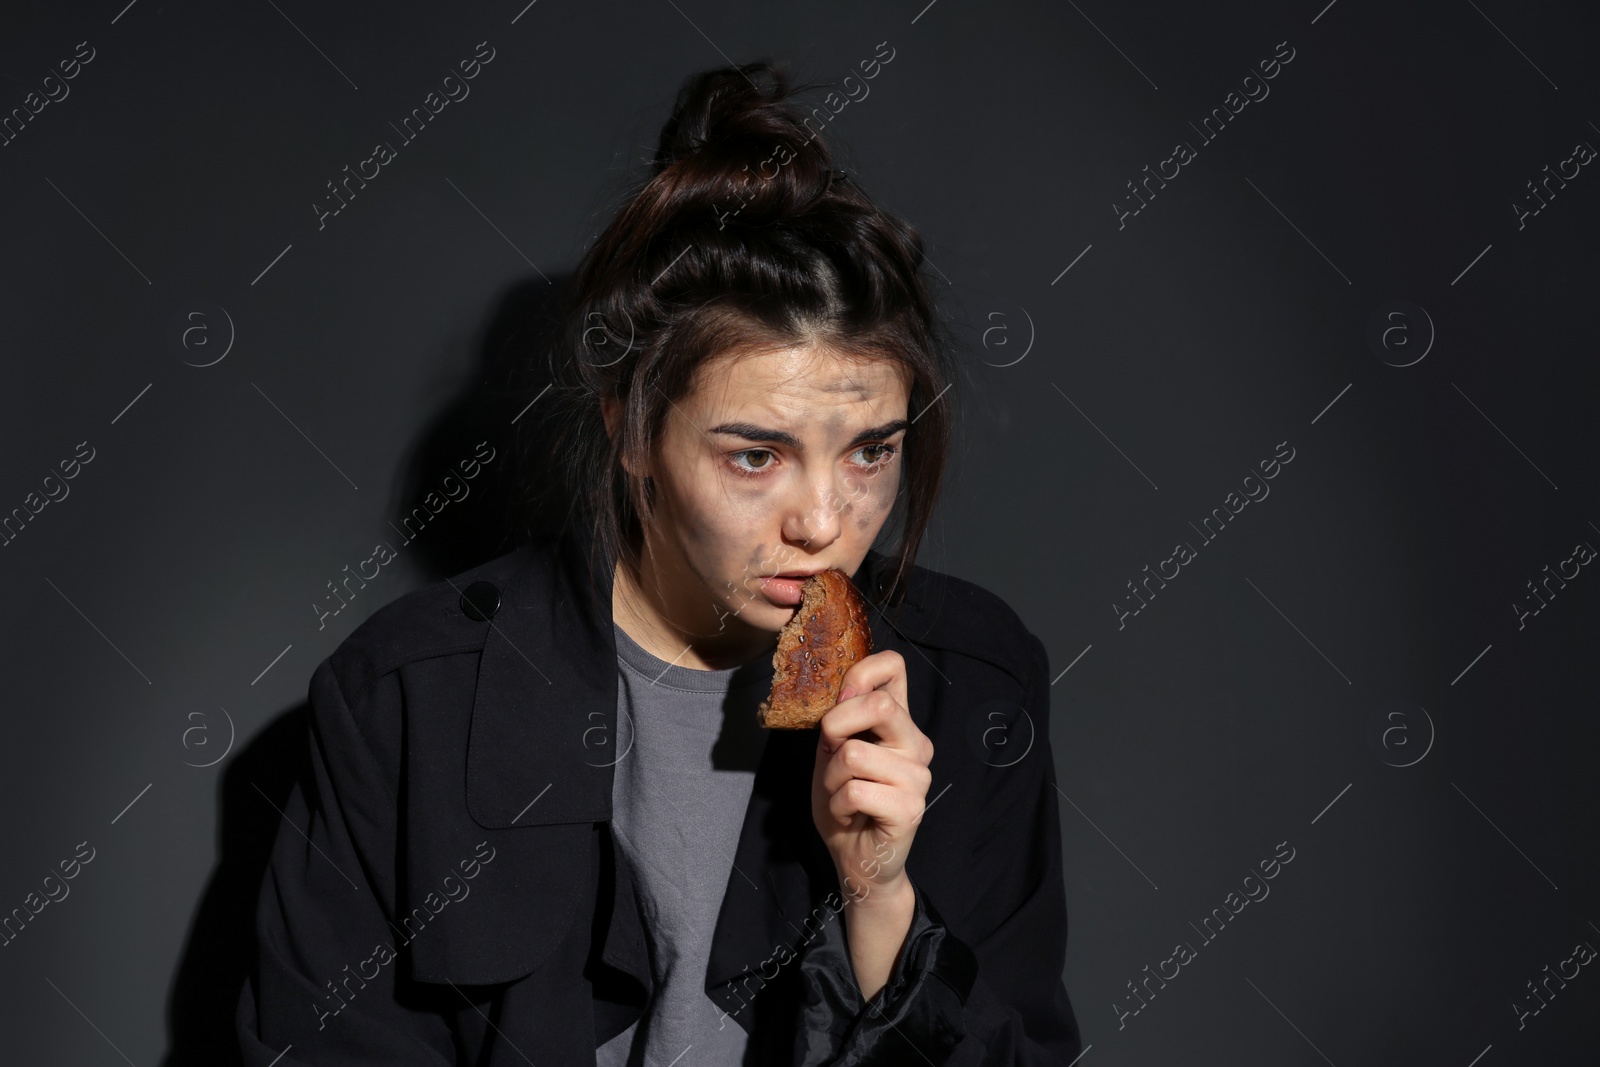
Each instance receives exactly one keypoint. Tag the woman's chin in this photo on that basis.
(760, 613)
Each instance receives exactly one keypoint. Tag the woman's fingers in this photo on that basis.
(879, 712)
(885, 669)
(884, 804)
(856, 758)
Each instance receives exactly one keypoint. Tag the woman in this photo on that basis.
(542, 825)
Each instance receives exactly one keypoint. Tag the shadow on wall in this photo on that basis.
(504, 507)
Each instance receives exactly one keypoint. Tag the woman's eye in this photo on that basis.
(884, 452)
(761, 452)
(761, 459)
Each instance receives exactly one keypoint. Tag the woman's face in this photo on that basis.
(780, 462)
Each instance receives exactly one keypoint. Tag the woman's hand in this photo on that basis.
(869, 789)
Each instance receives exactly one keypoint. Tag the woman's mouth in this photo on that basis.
(784, 591)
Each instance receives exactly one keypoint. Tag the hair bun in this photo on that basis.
(735, 144)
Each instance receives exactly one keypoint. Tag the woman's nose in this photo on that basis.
(815, 520)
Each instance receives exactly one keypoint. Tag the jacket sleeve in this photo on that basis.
(328, 988)
(1001, 1001)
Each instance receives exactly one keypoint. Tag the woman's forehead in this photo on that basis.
(800, 375)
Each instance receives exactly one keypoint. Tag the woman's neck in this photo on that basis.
(638, 605)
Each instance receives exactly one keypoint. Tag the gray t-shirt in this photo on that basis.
(689, 745)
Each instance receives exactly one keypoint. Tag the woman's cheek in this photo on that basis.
(869, 508)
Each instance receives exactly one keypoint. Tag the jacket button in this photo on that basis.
(480, 601)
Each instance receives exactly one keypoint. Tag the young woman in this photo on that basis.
(542, 824)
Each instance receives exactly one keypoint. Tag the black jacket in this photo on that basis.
(445, 889)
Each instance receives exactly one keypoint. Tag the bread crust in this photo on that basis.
(828, 634)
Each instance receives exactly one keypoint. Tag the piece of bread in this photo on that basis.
(828, 634)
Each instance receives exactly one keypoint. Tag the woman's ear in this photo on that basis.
(611, 412)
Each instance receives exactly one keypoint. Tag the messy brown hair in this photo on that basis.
(745, 237)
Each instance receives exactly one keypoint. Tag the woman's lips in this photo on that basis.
(783, 590)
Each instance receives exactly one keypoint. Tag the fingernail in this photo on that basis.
(847, 692)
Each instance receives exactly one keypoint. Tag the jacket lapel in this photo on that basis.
(544, 714)
(528, 739)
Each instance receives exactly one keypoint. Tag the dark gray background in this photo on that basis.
(166, 603)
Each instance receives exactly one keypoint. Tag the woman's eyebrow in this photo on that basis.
(752, 432)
